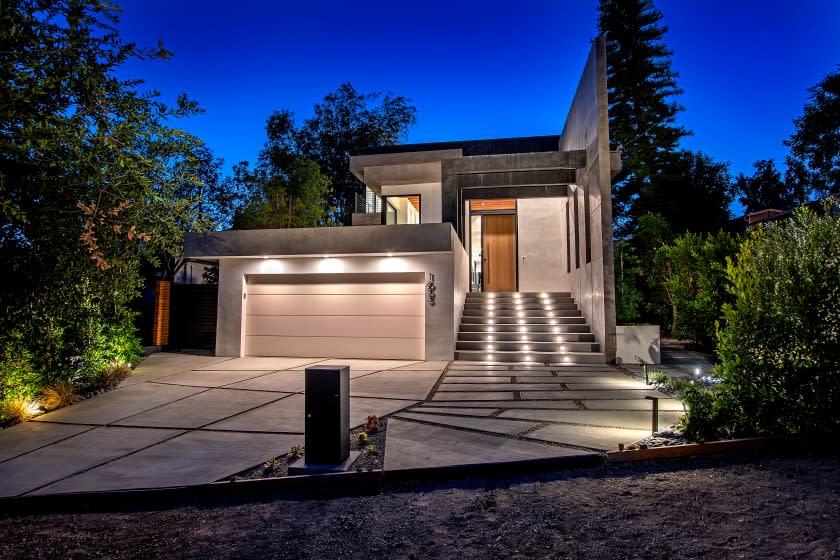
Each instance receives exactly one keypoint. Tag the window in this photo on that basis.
(404, 209)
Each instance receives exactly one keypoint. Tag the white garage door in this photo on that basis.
(378, 316)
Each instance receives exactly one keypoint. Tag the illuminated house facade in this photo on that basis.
(486, 250)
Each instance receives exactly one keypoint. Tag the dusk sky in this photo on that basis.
(479, 69)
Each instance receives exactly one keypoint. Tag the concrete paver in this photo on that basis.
(632, 394)
(439, 366)
(636, 420)
(481, 412)
(73, 455)
(474, 396)
(261, 363)
(491, 425)
(379, 365)
(412, 445)
(194, 458)
(165, 364)
(119, 403)
(201, 409)
(280, 381)
(29, 436)
(604, 439)
(451, 379)
(665, 403)
(404, 384)
(210, 378)
(548, 404)
(285, 415)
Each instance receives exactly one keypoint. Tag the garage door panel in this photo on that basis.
(325, 289)
(343, 347)
(366, 315)
(362, 327)
(335, 304)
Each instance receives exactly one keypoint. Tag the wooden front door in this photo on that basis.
(498, 250)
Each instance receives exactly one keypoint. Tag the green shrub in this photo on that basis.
(779, 347)
(694, 283)
(18, 376)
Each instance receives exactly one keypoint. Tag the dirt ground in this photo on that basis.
(737, 506)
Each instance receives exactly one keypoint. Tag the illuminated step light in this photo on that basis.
(524, 338)
(489, 321)
(559, 339)
(523, 329)
(556, 329)
(526, 347)
(489, 357)
(489, 347)
(521, 321)
(489, 329)
(551, 313)
(490, 338)
(491, 313)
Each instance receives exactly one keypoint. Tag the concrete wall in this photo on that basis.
(541, 241)
(587, 128)
(429, 199)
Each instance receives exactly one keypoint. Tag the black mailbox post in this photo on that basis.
(327, 409)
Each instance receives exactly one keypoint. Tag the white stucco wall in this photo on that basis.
(430, 199)
(440, 331)
(540, 243)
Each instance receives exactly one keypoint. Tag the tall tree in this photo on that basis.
(345, 123)
(285, 188)
(691, 191)
(766, 189)
(642, 87)
(90, 175)
(814, 160)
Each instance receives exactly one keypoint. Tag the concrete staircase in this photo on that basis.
(535, 327)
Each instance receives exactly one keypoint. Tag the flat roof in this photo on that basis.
(489, 147)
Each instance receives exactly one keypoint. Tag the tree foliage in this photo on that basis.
(642, 87)
(91, 181)
(766, 189)
(691, 191)
(814, 159)
(345, 123)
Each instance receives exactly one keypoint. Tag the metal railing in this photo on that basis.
(369, 203)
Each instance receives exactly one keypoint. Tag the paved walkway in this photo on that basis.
(184, 419)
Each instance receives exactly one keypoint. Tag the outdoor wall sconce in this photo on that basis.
(431, 289)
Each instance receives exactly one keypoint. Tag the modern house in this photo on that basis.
(486, 250)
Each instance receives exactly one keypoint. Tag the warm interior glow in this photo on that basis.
(492, 204)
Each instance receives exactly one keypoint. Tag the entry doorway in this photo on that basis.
(493, 245)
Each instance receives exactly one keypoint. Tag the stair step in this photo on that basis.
(531, 336)
(482, 320)
(518, 346)
(516, 306)
(512, 295)
(579, 327)
(531, 357)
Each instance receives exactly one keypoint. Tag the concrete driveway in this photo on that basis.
(182, 419)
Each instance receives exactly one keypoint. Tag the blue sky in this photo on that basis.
(479, 69)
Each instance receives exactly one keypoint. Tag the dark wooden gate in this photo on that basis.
(192, 322)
